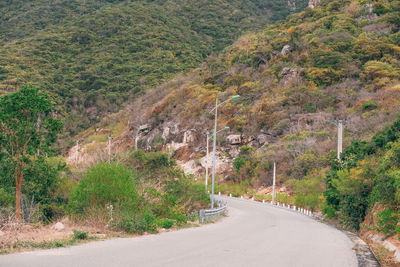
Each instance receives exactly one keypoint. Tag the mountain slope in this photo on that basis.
(339, 60)
(93, 56)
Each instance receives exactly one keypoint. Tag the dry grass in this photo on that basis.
(384, 256)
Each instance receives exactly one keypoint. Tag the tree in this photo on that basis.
(27, 127)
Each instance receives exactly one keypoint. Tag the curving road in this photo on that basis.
(254, 234)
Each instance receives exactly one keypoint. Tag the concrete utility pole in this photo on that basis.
(215, 142)
(214, 148)
(340, 139)
(208, 139)
(109, 149)
(273, 184)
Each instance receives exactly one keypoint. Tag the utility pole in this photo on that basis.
(215, 142)
(273, 184)
(109, 149)
(339, 125)
(214, 148)
(208, 139)
(340, 139)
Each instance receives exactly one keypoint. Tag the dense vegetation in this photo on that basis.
(152, 192)
(92, 56)
(144, 191)
(367, 180)
(27, 132)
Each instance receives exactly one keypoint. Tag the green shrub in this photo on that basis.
(103, 185)
(165, 223)
(329, 211)
(369, 106)
(137, 223)
(80, 234)
(387, 221)
(309, 107)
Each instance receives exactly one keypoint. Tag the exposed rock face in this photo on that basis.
(292, 5)
(290, 76)
(313, 3)
(286, 50)
(262, 139)
(370, 15)
(165, 133)
(189, 137)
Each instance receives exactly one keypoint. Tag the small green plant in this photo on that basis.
(330, 212)
(165, 223)
(80, 234)
(193, 216)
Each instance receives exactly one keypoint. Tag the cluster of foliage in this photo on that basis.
(92, 56)
(27, 132)
(250, 165)
(367, 177)
(146, 192)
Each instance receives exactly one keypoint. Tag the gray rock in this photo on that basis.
(376, 238)
(59, 226)
(234, 139)
(286, 50)
(290, 75)
(313, 3)
(262, 139)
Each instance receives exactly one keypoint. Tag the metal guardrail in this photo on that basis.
(209, 214)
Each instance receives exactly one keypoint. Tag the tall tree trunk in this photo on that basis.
(18, 183)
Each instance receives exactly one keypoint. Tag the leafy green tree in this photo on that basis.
(27, 127)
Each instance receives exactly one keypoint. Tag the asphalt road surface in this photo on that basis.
(253, 234)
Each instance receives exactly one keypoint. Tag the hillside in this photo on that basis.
(94, 56)
(336, 61)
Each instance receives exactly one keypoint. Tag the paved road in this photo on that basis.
(254, 234)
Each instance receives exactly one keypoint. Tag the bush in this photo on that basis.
(80, 234)
(137, 223)
(103, 185)
(330, 212)
(165, 223)
(152, 160)
(387, 221)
